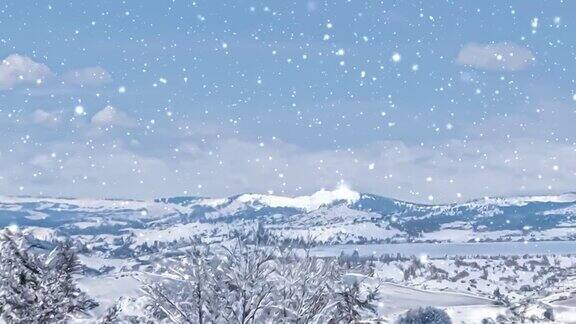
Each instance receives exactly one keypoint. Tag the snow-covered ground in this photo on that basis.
(450, 249)
(469, 288)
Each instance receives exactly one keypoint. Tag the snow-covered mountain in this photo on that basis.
(325, 217)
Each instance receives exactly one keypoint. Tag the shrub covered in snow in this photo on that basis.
(425, 315)
(37, 286)
(256, 285)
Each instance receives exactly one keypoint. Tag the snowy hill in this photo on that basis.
(325, 217)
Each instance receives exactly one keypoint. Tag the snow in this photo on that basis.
(211, 202)
(97, 262)
(465, 235)
(96, 223)
(308, 203)
(86, 203)
(136, 208)
(451, 249)
(108, 289)
(395, 298)
(41, 233)
(331, 234)
(34, 215)
(179, 231)
(523, 200)
(474, 313)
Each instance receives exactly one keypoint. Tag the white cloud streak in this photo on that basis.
(45, 118)
(111, 116)
(499, 56)
(18, 70)
(89, 76)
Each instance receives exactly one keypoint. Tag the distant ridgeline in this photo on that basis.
(326, 217)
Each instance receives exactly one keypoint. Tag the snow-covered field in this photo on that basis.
(468, 288)
(451, 249)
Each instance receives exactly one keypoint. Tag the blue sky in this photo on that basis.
(425, 101)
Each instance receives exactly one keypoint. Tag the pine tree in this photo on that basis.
(20, 277)
(62, 294)
(35, 288)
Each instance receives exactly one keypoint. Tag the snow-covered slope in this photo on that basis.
(307, 203)
(339, 216)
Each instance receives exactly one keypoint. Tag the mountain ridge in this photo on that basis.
(570, 195)
(326, 217)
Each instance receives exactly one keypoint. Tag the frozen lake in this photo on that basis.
(451, 249)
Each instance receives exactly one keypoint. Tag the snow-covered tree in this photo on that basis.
(117, 313)
(351, 302)
(247, 283)
(35, 287)
(251, 285)
(302, 291)
(425, 315)
(185, 292)
(20, 277)
(62, 294)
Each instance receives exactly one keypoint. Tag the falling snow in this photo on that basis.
(140, 100)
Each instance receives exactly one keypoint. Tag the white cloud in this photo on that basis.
(88, 76)
(110, 116)
(17, 70)
(499, 56)
(43, 117)
(110, 167)
(191, 161)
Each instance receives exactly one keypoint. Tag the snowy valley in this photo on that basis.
(498, 259)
